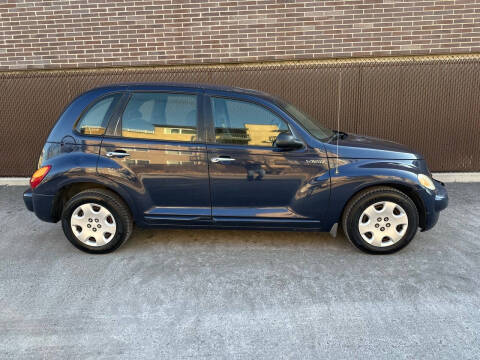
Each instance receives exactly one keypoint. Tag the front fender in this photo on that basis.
(349, 176)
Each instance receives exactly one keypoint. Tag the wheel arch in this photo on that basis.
(404, 188)
(67, 191)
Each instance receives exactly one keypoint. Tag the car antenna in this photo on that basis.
(338, 114)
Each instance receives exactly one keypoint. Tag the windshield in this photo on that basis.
(320, 132)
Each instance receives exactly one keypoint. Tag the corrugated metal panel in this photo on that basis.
(428, 103)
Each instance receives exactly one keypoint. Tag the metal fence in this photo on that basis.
(430, 104)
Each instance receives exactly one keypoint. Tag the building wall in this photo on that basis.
(428, 103)
(311, 53)
(98, 33)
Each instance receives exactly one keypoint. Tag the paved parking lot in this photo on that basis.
(233, 294)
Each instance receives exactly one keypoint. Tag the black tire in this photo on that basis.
(355, 207)
(112, 203)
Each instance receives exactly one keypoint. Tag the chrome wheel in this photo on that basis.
(93, 224)
(383, 223)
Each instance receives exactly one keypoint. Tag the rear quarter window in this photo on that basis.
(94, 120)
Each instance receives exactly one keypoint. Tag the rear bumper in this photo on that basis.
(28, 199)
(42, 205)
(437, 201)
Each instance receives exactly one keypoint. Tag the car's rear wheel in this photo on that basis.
(96, 221)
(380, 220)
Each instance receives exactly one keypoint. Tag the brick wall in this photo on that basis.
(98, 33)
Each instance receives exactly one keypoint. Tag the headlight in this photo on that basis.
(425, 181)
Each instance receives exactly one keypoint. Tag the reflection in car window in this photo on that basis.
(161, 116)
(95, 120)
(244, 123)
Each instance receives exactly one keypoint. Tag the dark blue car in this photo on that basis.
(176, 155)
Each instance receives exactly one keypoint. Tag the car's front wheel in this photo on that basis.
(96, 221)
(380, 220)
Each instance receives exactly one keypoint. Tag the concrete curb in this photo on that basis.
(14, 181)
(464, 177)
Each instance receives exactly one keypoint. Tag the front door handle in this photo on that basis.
(221, 159)
(117, 154)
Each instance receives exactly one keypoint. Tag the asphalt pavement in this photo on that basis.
(181, 294)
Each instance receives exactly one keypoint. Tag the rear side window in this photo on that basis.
(161, 116)
(244, 123)
(95, 120)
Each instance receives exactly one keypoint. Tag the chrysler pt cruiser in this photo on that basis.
(197, 156)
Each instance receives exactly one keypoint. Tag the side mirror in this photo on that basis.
(287, 141)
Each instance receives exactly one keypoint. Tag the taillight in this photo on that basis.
(38, 176)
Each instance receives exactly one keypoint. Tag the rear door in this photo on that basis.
(156, 150)
(254, 183)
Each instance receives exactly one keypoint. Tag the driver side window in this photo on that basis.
(244, 123)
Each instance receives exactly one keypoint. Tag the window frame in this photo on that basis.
(211, 138)
(92, 104)
(115, 131)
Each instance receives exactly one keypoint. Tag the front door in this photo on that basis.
(158, 152)
(253, 182)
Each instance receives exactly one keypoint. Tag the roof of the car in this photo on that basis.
(183, 86)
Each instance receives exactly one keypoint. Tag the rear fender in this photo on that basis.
(63, 175)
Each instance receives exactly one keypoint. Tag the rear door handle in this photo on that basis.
(221, 159)
(118, 153)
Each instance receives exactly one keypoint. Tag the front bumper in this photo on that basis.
(435, 202)
(42, 205)
(441, 196)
